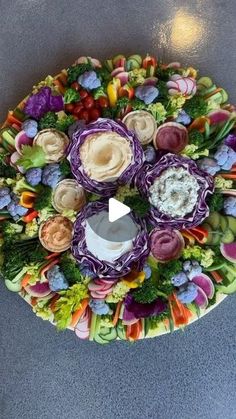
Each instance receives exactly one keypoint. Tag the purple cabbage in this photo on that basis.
(104, 125)
(134, 311)
(146, 177)
(42, 102)
(123, 265)
(230, 140)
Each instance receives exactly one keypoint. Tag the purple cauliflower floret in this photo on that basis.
(5, 197)
(225, 157)
(99, 307)
(179, 279)
(192, 268)
(87, 272)
(187, 295)
(208, 165)
(148, 272)
(89, 80)
(230, 141)
(230, 206)
(14, 209)
(147, 93)
(150, 155)
(42, 102)
(183, 118)
(30, 126)
(56, 279)
(51, 175)
(34, 176)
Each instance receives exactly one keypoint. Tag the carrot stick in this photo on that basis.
(25, 280)
(34, 301)
(59, 85)
(117, 313)
(216, 275)
(78, 313)
(219, 89)
(227, 175)
(44, 269)
(52, 256)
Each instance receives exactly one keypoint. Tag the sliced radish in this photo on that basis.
(38, 290)
(175, 64)
(151, 81)
(205, 283)
(229, 192)
(13, 161)
(22, 139)
(228, 250)
(216, 117)
(123, 77)
(117, 70)
(201, 300)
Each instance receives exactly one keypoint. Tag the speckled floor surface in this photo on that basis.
(47, 375)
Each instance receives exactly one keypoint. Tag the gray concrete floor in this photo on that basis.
(47, 375)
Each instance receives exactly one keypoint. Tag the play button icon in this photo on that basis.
(117, 210)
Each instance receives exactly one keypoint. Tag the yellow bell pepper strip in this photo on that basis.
(199, 124)
(134, 279)
(27, 199)
(199, 233)
(189, 237)
(127, 91)
(191, 72)
(179, 312)
(112, 91)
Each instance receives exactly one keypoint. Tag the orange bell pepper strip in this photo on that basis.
(34, 301)
(199, 233)
(25, 280)
(199, 124)
(30, 216)
(189, 237)
(27, 199)
(59, 86)
(149, 61)
(127, 91)
(217, 276)
(179, 312)
(78, 313)
(133, 331)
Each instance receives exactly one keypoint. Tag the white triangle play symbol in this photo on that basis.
(117, 210)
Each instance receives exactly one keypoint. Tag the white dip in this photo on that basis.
(174, 192)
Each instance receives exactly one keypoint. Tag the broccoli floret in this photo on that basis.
(11, 231)
(70, 269)
(65, 168)
(6, 171)
(75, 71)
(139, 205)
(44, 198)
(195, 107)
(196, 138)
(147, 292)
(71, 95)
(64, 123)
(170, 269)
(49, 120)
(22, 185)
(216, 202)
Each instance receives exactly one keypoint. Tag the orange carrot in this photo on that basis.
(180, 313)
(44, 269)
(78, 313)
(25, 280)
(34, 301)
(227, 175)
(219, 89)
(217, 276)
(59, 85)
(133, 331)
(13, 120)
(52, 256)
(117, 313)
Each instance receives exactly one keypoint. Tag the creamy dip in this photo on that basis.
(174, 192)
(143, 124)
(105, 155)
(55, 234)
(53, 143)
(68, 195)
(104, 249)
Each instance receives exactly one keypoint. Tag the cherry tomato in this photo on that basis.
(84, 115)
(83, 94)
(76, 86)
(78, 108)
(69, 107)
(94, 114)
(103, 102)
(88, 102)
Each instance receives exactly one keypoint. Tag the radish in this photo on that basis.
(150, 81)
(205, 283)
(231, 192)
(22, 139)
(117, 70)
(13, 161)
(216, 117)
(38, 290)
(82, 327)
(201, 300)
(85, 60)
(123, 77)
(228, 250)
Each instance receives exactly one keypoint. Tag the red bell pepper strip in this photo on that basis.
(200, 234)
(149, 61)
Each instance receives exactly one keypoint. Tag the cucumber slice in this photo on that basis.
(132, 64)
(215, 267)
(223, 223)
(224, 95)
(108, 64)
(13, 286)
(110, 336)
(231, 223)
(204, 83)
(229, 289)
(121, 331)
(228, 236)
(216, 239)
(137, 58)
(213, 220)
(100, 340)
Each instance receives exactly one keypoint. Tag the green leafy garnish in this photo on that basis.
(195, 107)
(196, 138)
(44, 198)
(75, 71)
(139, 205)
(69, 302)
(70, 269)
(64, 123)
(49, 120)
(71, 95)
(65, 168)
(32, 156)
(147, 292)
(216, 202)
